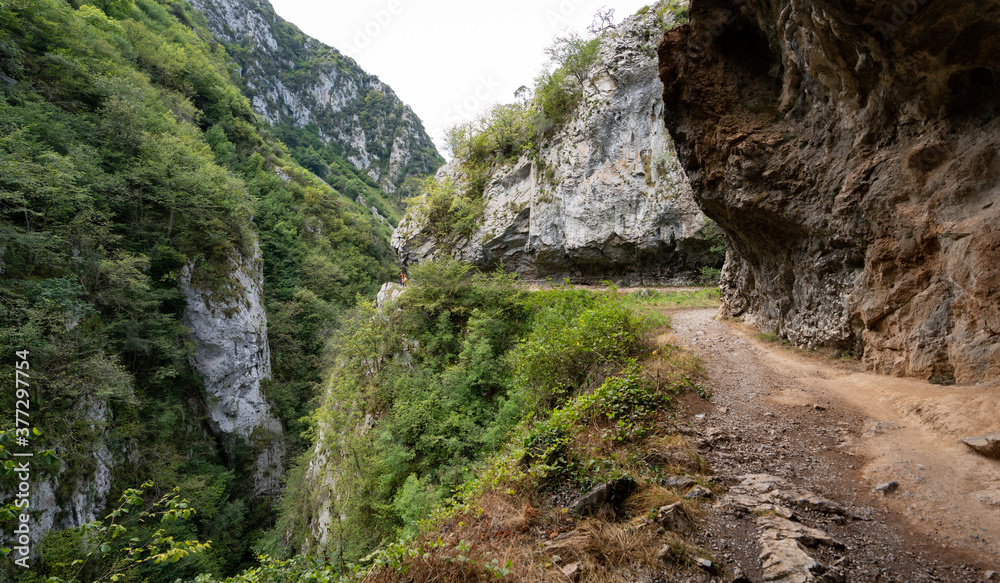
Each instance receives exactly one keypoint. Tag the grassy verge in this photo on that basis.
(704, 298)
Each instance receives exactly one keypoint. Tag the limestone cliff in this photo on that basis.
(295, 79)
(849, 152)
(68, 498)
(604, 199)
(233, 358)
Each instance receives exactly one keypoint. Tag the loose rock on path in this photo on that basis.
(801, 442)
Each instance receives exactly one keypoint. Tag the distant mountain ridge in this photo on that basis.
(294, 80)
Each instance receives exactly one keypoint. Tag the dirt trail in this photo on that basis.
(827, 426)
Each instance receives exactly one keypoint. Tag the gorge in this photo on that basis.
(199, 203)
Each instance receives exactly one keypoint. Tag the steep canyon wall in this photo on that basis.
(848, 150)
(604, 198)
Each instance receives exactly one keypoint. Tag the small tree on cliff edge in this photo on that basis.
(576, 55)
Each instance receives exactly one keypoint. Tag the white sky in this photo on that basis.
(448, 59)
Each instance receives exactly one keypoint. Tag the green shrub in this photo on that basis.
(627, 401)
(576, 338)
(489, 354)
(575, 55)
(709, 275)
(447, 211)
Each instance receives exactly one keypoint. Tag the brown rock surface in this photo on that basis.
(849, 152)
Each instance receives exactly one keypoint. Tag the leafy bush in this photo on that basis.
(576, 338)
(575, 55)
(488, 355)
(677, 9)
(627, 402)
(447, 211)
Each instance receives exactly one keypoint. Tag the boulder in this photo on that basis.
(987, 445)
(603, 500)
(674, 517)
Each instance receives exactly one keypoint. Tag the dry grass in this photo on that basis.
(649, 500)
(611, 550)
(499, 540)
(674, 454)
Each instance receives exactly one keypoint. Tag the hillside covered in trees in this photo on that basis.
(130, 157)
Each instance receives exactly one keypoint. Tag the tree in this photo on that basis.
(575, 55)
(603, 20)
(111, 565)
(507, 127)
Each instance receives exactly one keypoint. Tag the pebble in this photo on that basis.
(699, 492)
(887, 488)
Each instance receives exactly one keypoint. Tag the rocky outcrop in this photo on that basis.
(848, 150)
(388, 293)
(72, 497)
(786, 544)
(232, 357)
(987, 445)
(604, 199)
(295, 79)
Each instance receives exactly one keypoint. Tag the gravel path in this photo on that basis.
(822, 428)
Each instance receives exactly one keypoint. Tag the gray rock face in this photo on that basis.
(233, 358)
(387, 293)
(607, 198)
(89, 496)
(334, 95)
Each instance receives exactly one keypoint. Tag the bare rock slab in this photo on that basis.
(784, 558)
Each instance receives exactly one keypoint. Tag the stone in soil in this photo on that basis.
(601, 501)
(887, 488)
(673, 518)
(699, 492)
(572, 571)
(783, 554)
(987, 445)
